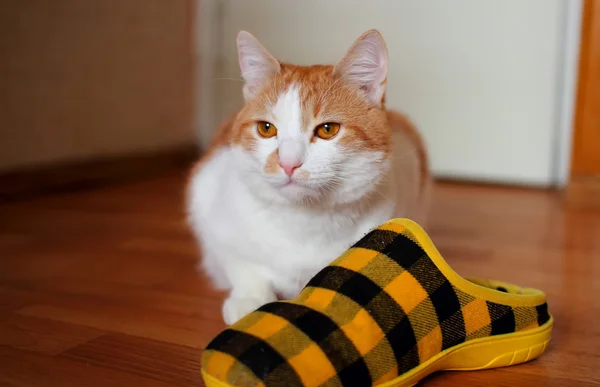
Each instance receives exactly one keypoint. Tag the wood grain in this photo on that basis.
(584, 192)
(100, 288)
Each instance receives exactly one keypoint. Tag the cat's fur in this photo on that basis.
(263, 234)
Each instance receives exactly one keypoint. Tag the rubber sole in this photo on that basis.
(479, 354)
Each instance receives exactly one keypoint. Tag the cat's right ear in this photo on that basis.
(256, 63)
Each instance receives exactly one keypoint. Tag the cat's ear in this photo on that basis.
(365, 66)
(256, 64)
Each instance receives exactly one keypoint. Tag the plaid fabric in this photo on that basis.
(379, 310)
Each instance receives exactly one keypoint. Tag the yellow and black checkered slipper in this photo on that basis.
(388, 312)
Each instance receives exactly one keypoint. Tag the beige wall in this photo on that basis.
(93, 78)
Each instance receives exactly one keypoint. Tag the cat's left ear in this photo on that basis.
(256, 63)
(365, 66)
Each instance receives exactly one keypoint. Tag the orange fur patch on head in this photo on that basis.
(353, 136)
(368, 129)
(243, 132)
(248, 139)
(272, 164)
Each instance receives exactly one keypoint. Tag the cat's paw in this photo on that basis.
(234, 308)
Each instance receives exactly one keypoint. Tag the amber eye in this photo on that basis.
(327, 130)
(266, 129)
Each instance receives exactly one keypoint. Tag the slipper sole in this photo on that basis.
(479, 354)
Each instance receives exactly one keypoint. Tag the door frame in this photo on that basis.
(584, 180)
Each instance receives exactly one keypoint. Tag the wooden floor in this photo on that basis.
(99, 288)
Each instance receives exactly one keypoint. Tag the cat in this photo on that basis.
(310, 164)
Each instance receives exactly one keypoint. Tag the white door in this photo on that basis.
(479, 78)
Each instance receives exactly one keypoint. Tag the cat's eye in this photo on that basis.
(327, 130)
(266, 129)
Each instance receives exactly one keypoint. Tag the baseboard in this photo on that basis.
(77, 175)
(491, 183)
(583, 192)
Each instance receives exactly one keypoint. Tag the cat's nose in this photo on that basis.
(291, 153)
(289, 168)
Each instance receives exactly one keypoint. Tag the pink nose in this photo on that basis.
(290, 168)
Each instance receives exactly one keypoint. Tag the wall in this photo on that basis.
(93, 79)
(482, 79)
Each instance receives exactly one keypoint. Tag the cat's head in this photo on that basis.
(314, 134)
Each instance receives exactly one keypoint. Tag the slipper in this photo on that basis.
(387, 312)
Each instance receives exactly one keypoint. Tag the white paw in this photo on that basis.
(234, 308)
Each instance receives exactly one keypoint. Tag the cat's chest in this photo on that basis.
(292, 248)
(290, 263)
(298, 241)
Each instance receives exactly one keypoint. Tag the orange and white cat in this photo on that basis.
(308, 166)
